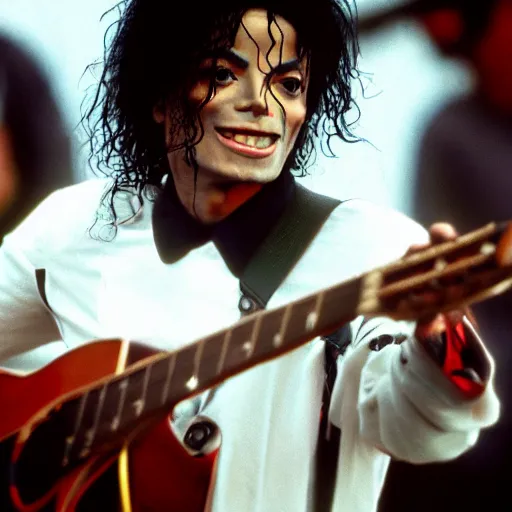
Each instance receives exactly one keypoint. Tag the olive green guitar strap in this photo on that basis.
(268, 268)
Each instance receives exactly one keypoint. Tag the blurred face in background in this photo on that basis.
(490, 55)
(8, 182)
(492, 58)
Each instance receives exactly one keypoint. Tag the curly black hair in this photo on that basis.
(154, 53)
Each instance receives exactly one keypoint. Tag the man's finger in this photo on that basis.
(442, 232)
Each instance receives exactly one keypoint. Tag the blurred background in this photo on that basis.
(406, 84)
(436, 148)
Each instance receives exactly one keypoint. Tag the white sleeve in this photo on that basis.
(25, 322)
(406, 406)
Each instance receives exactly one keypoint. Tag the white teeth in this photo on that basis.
(263, 142)
(251, 140)
(242, 139)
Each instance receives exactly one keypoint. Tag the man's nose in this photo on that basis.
(254, 98)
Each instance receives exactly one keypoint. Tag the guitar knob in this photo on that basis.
(199, 434)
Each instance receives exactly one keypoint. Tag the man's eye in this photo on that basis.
(224, 76)
(292, 85)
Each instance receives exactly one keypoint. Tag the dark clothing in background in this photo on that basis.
(465, 177)
(40, 142)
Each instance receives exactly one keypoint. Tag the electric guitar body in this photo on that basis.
(154, 472)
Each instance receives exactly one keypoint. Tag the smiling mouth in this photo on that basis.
(251, 139)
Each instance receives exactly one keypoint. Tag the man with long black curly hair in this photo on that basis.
(200, 118)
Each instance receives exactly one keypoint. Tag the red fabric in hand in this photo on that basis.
(456, 343)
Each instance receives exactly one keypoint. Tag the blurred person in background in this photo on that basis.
(35, 154)
(35, 148)
(463, 176)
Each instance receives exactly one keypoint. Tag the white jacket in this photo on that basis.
(269, 414)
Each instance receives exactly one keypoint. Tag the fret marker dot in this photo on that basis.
(277, 340)
(247, 347)
(487, 249)
(440, 264)
(192, 383)
(311, 321)
(89, 437)
(138, 405)
(84, 453)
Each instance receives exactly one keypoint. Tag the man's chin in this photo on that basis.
(238, 174)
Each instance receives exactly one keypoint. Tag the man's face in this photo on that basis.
(249, 130)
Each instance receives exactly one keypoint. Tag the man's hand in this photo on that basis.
(439, 232)
(445, 336)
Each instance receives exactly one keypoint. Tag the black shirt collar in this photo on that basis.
(236, 237)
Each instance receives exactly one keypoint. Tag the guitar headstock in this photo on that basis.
(447, 276)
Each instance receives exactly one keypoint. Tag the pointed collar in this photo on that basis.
(237, 237)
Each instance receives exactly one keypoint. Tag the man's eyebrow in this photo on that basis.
(235, 58)
(289, 65)
(231, 56)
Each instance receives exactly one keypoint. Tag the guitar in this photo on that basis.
(99, 415)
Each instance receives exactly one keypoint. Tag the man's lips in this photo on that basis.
(251, 143)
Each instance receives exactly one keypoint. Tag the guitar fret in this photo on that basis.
(339, 304)
(279, 338)
(184, 375)
(168, 377)
(313, 316)
(225, 347)
(241, 336)
(70, 440)
(318, 306)
(299, 319)
(122, 386)
(193, 382)
(210, 358)
(250, 348)
(139, 404)
(269, 326)
(91, 432)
